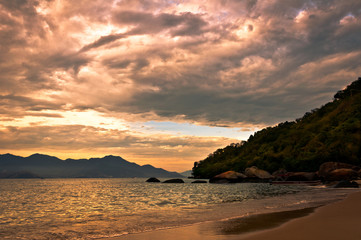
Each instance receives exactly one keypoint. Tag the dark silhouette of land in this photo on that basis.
(331, 133)
(38, 165)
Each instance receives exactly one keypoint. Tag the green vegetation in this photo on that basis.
(331, 133)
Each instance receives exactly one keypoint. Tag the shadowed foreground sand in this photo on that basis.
(340, 220)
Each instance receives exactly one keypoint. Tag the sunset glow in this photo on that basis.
(166, 82)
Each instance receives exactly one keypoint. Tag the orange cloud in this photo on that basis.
(98, 68)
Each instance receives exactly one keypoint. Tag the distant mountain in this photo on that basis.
(330, 133)
(186, 173)
(38, 165)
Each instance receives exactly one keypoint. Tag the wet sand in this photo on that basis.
(339, 220)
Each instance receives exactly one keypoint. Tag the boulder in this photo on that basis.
(199, 181)
(254, 172)
(346, 184)
(328, 167)
(301, 176)
(228, 177)
(153, 179)
(175, 180)
(341, 174)
(280, 174)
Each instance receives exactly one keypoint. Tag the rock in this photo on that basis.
(279, 172)
(341, 174)
(153, 179)
(346, 184)
(280, 175)
(231, 175)
(222, 180)
(302, 176)
(175, 180)
(328, 167)
(228, 177)
(199, 181)
(254, 172)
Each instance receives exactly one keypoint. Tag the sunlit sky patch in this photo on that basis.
(166, 82)
(195, 130)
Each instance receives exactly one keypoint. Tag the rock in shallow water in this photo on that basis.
(176, 180)
(302, 176)
(153, 179)
(342, 174)
(327, 167)
(228, 177)
(346, 184)
(254, 172)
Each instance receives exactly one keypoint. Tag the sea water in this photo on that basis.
(100, 208)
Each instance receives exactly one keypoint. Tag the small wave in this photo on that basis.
(118, 207)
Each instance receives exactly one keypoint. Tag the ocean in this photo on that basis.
(101, 208)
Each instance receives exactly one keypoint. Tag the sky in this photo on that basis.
(166, 82)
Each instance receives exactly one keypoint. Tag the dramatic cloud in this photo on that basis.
(236, 64)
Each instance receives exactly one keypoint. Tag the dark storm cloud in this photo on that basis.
(66, 61)
(28, 55)
(226, 62)
(12, 106)
(37, 71)
(26, 101)
(103, 40)
(312, 56)
(217, 110)
(145, 23)
(184, 24)
(117, 63)
(26, 10)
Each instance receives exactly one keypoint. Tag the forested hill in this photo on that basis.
(330, 133)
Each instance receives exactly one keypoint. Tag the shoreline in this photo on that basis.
(305, 223)
(338, 220)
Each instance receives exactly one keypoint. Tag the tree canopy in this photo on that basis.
(330, 133)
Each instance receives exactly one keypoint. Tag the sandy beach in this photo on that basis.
(339, 220)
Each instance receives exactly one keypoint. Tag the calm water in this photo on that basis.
(99, 208)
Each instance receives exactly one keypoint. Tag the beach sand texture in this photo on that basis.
(336, 221)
